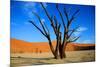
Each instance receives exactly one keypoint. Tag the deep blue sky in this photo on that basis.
(21, 13)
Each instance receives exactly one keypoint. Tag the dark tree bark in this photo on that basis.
(61, 39)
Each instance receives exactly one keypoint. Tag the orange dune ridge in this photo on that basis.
(20, 46)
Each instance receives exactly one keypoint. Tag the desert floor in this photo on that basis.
(20, 59)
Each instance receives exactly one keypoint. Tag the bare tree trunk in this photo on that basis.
(57, 49)
(62, 52)
(55, 52)
(51, 47)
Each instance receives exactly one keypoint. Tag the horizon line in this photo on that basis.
(47, 41)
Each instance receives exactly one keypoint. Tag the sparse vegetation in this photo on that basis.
(47, 58)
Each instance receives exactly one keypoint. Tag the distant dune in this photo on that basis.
(20, 46)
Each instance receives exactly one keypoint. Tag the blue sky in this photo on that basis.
(21, 13)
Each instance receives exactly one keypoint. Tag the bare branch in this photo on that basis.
(50, 18)
(59, 27)
(73, 17)
(47, 36)
(62, 37)
(75, 29)
(74, 39)
(46, 12)
(38, 28)
(51, 46)
(56, 23)
(40, 23)
(47, 29)
(66, 14)
(75, 13)
(53, 26)
(61, 16)
(63, 24)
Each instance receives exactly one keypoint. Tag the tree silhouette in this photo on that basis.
(62, 37)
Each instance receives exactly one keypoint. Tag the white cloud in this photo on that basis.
(87, 41)
(32, 6)
(77, 33)
(29, 6)
(42, 20)
(80, 30)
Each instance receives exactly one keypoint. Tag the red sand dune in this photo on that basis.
(19, 46)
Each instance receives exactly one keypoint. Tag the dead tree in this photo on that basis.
(62, 38)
